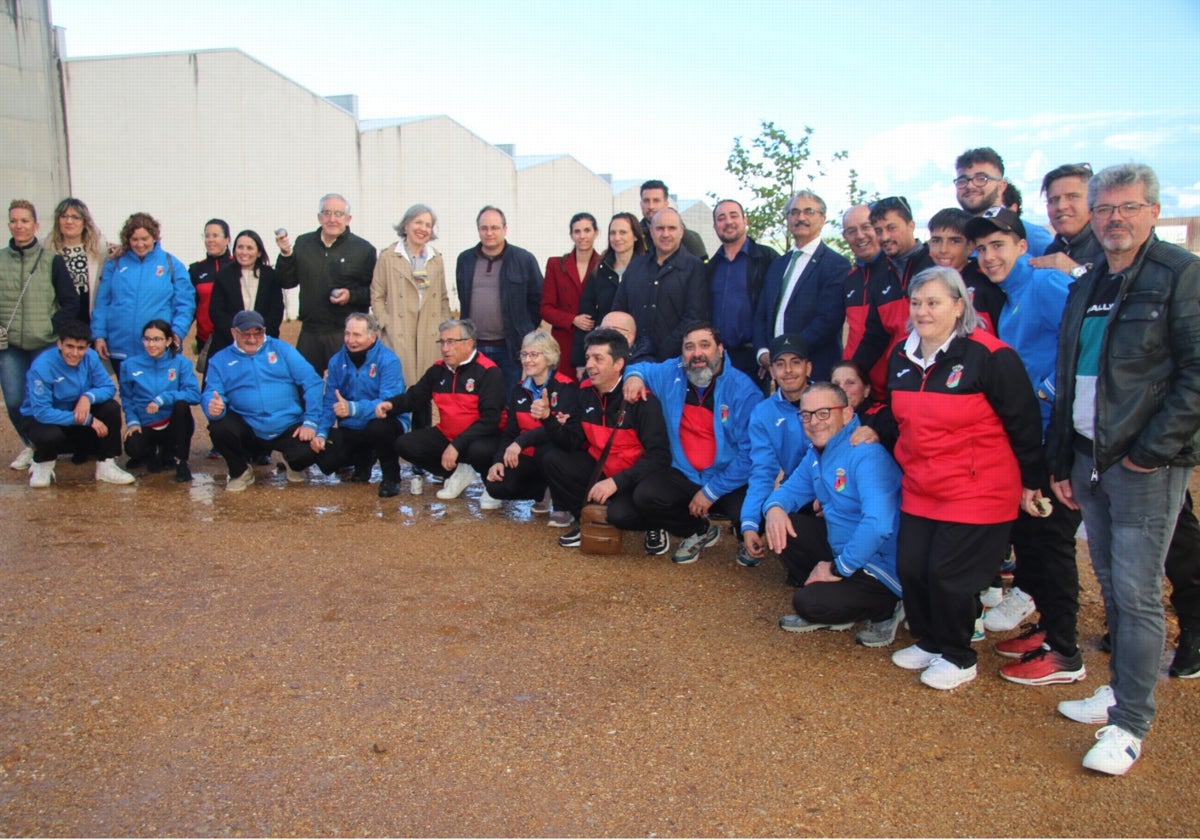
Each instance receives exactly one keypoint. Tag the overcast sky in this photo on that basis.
(646, 89)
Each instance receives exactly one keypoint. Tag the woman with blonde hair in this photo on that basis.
(78, 241)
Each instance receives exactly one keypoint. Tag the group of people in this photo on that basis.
(893, 428)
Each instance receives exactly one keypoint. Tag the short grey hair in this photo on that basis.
(968, 321)
(338, 196)
(412, 213)
(1123, 175)
(828, 387)
(465, 324)
(820, 202)
(545, 344)
(367, 318)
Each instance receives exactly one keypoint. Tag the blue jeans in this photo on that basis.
(512, 371)
(1130, 518)
(14, 364)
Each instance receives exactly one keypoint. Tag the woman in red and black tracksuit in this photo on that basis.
(516, 471)
(969, 445)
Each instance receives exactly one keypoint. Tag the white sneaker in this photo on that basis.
(1013, 608)
(1093, 709)
(486, 502)
(41, 474)
(417, 485)
(944, 675)
(294, 476)
(992, 596)
(237, 485)
(108, 472)
(914, 658)
(458, 481)
(24, 460)
(1114, 752)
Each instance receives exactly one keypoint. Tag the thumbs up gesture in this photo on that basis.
(341, 408)
(216, 405)
(539, 409)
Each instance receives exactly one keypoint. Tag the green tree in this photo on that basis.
(772, 167)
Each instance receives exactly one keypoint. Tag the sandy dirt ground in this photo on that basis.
(312, 660)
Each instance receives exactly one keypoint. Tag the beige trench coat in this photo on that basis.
(409, 324)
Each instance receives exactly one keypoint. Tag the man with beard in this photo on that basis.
(1125, 438)
(802, 292)
(734, 277)
(980, 185)
(706, 403)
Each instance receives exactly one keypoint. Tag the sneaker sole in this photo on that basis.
(1057, 678)
(876, 644)
(837, 628)
(1009, 655)
(569, 543)
(1094, 720)
(683, 561)
(554, 524)
(1189, 676)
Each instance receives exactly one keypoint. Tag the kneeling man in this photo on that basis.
(852, 577)
(252, 398)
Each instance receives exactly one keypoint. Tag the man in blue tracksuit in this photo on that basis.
(777, 440)
(852, 576)
(706, 403)
(250, 398)
(358, 378)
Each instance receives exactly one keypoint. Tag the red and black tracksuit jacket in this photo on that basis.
(523, 428)
(469, 399)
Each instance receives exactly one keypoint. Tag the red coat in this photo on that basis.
(560, 302)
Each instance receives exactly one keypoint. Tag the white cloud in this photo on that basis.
(1136, 141)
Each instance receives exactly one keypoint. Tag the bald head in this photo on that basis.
(859, 233)
(623, 323)
(666, 228)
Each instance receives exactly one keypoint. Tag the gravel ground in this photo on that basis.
(312, 660)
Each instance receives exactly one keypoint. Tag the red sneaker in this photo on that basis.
(1045, 667)
(1016, 647)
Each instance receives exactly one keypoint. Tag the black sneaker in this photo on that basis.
(389, 488)
(360, 476)
(570, 539)
(183, 473)
(657, 541)
(1186, 664)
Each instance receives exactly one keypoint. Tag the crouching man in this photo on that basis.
(633, 434)
(252, 398)
(69, 407)
(851, 577)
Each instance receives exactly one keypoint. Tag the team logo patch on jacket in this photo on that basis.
(371, 371)
(160, 271)
(955, 376)
(470, 386)
(554, 400)
(272, 358)
(724, 413)
(839, 481)
(171, 375)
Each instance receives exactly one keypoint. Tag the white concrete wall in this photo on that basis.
(34, 163)
(548, 195)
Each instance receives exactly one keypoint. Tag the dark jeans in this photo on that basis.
(942, 568)
(423, 449)
(318, 346)
(359, 448)
(51, 441)
(498, 353)
(1046, 570)
(859, 597)
(662, 499)
(524, 481)
(569, 475)
(233, 438)
(173, 439)
(1183, 567)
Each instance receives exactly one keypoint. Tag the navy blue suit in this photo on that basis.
(815, 310)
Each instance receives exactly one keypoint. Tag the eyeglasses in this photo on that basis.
(71, 217)
(153, 339)
(806, 212)
(892, 202)
(256, 332)
(337, 214)
(530, 354)
(979, 179)
(1127, 210)
(820, 414)
(445, 341)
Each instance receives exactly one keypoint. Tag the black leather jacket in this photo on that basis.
(1148, 390)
